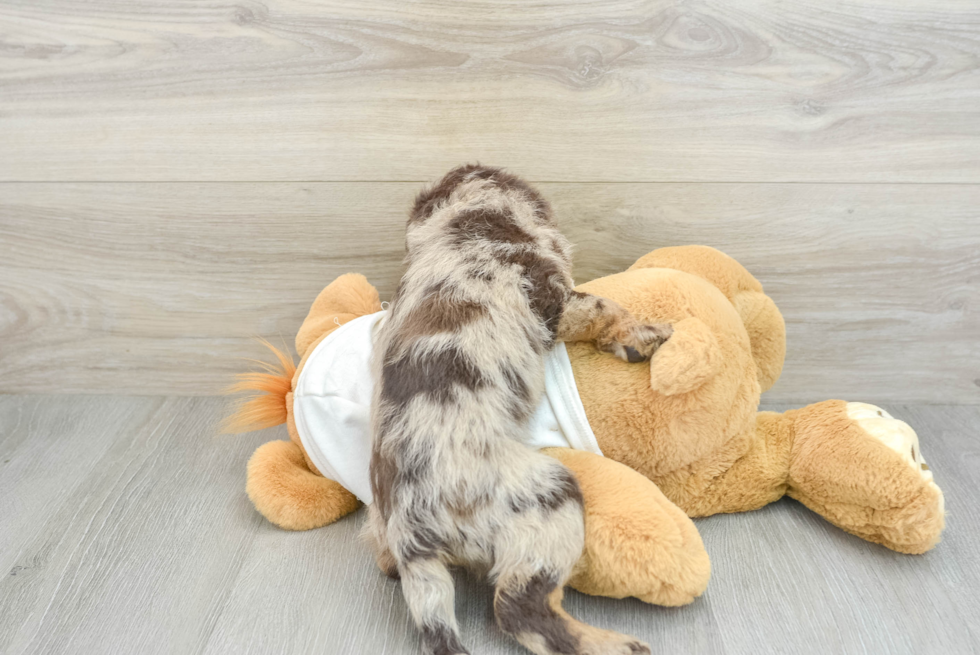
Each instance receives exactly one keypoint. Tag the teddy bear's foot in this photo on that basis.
(864, 471)
(289, 494)
(897, 435)
(922, 531)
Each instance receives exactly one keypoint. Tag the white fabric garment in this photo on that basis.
(331, 406)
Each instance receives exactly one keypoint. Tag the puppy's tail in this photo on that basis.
(265, 407)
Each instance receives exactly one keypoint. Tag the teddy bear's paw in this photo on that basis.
(897, 435)
(641, 341)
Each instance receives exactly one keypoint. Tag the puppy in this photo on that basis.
(459, 367)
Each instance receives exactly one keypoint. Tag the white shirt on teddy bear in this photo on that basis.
(331, 406)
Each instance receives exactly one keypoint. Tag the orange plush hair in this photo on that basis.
(266, 405)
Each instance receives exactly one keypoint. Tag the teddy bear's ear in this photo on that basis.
(689, 358)
(763, 322)
(706, 262)
(767, 334)
(343, 300)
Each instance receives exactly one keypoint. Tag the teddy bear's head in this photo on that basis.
(701, 389)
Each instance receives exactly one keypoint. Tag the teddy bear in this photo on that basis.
(652, 445)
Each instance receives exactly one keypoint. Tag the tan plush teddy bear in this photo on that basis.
(651, 445)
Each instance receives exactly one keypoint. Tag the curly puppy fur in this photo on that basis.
(460, 364)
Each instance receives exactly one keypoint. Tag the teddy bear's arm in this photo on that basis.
(637, 543)
(613, 329)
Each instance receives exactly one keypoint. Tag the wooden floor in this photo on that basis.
(124, 527)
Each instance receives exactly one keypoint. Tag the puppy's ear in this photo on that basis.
(687, 360)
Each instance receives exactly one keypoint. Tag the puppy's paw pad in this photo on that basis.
(647, 338)
(633, 356)
(616, 646)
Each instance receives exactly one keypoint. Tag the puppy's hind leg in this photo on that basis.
(529, 608)
(429, 593)
(535, 555)
(375, 534)
(426, 583)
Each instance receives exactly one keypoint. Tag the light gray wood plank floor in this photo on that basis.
(124, 527)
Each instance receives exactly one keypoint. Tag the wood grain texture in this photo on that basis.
(160, 288)
(116, 512)
(124, 527)
(631, 90)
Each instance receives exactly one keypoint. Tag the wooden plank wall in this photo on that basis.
(177, 178)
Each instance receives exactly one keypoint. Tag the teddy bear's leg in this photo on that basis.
(286, 492)
(748, 473)
(863, 471)
(637, 543)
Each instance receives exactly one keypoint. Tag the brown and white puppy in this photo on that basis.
(459, 367)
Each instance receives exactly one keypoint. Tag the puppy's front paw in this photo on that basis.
(639, 342)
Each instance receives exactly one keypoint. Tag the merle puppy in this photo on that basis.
(460, 369)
